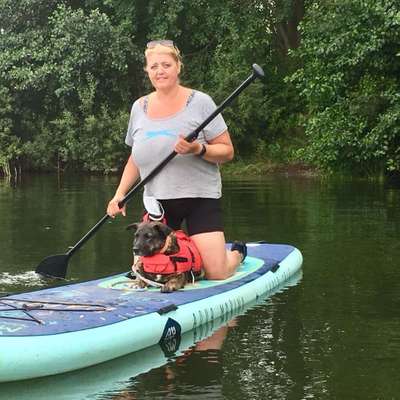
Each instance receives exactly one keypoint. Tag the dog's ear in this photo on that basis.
(134, 226)
(164, 229)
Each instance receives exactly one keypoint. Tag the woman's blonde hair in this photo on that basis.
(160, 48)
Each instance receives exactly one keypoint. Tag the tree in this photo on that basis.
(62, 67)
(9, 144)
(73, 68)
(350, 79)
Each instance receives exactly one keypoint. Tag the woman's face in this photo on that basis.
(163, 70)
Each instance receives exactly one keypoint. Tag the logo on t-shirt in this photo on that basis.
(155, 134)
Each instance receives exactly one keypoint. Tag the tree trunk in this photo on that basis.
(288, 35)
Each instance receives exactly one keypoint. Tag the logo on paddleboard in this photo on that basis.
(171, 337)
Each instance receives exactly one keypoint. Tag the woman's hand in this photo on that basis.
(184, 147)
(129, 177)
(113, 207)
(218, 150)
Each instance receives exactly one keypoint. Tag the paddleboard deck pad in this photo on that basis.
(64, 328)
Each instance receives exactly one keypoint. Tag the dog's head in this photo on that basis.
(149, 237)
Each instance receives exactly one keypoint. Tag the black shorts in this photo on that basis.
(199, 214)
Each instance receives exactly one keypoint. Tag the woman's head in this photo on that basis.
(163, 63)
(163, 47)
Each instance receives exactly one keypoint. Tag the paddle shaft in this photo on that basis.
(257, 72)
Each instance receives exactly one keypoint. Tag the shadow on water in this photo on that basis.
(190, 366)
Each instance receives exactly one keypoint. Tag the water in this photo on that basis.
(335, 335)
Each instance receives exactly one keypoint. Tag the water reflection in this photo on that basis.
(196, 373)
(335, 336)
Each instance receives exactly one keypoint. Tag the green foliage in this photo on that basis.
(69, 72)
(64, 68)
(73, 69)
(9, 144)
(350, 80)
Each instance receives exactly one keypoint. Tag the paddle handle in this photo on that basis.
(257, 73)
(87, 236)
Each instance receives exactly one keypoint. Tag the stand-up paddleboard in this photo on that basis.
(117, 375)
(66, 328)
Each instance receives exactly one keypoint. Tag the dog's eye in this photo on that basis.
(149, 235)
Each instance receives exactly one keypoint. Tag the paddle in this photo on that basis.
(56, 266)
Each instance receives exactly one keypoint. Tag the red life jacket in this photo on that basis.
(186, 259)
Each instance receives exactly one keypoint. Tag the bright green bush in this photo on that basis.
(350, 80)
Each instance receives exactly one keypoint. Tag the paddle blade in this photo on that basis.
(54, 266)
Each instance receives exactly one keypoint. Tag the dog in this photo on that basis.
(167, 257)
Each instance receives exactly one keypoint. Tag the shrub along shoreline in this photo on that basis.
(70, 71)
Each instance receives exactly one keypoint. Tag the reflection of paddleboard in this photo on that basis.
(70, 327)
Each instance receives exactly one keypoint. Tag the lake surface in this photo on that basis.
(335, 334)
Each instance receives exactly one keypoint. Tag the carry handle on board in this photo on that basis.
(56, 266)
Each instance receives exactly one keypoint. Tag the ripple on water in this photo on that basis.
(27, 279)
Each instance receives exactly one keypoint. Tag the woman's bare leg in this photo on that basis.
(219, 263)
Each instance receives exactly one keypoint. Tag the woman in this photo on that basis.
(189, 186)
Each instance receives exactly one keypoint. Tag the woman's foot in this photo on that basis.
(241, 248)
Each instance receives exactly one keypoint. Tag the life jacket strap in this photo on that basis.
(148, 281)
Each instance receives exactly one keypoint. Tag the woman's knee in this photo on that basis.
(215, 264)
(216, 271)
(212, 249)
(226, 267)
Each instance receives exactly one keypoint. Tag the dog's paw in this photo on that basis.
(137, 284)
(168, 288)
(165, 289)
(141, 284)
(174, 283)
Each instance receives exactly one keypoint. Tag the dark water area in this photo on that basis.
(333, 334)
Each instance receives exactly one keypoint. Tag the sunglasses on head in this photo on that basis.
(154, 43)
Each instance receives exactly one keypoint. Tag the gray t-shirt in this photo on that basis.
(153, 139)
